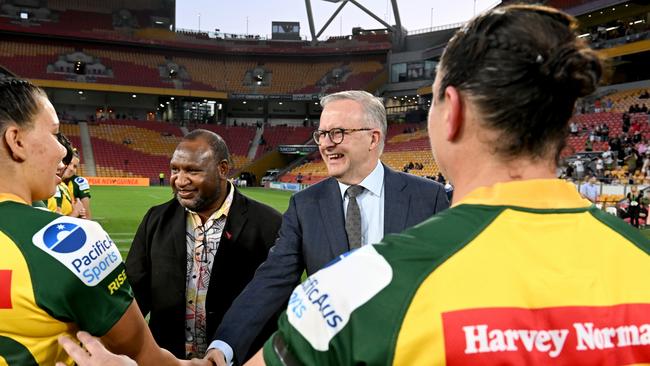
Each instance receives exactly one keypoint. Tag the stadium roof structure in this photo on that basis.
(396, 29)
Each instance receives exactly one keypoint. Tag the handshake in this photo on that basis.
(93, 353)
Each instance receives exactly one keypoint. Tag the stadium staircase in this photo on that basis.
(87, 148)
(283, 135)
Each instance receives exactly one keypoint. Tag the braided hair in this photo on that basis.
(523, 66)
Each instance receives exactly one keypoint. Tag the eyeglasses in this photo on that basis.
(336, 135)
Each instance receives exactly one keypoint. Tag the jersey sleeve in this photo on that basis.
(326, 321)
(83, 274)
(81, 187)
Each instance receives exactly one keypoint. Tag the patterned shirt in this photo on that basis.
(202, 245)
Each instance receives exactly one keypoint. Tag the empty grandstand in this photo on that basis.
(128, 85)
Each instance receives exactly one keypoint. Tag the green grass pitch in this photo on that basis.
(120, 209)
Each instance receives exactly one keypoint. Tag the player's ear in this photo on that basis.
(13, 141)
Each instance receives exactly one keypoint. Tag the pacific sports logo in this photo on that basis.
(82, 246)
(64, 237)
(82, 183)
(603, 335)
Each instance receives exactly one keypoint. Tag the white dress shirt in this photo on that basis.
(371, 205)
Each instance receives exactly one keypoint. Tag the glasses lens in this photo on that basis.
(336, 135)
(317, 136)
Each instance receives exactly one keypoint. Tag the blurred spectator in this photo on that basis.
(630, 160)
(634, 203)
(579, 169)
(600, 167)
(608, 159)
(590, 189)
(626, 122)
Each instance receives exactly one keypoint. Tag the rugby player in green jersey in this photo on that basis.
(58, 274)
(78, 186)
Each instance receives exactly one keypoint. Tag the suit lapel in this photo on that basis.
(331, 210)
(396, 202)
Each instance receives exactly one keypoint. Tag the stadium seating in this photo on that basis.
(623, 100)
(134, 148)
(115, 157)
(401, 148)
(576, 143)
(72, 133)
(238, 140)
(126, 66)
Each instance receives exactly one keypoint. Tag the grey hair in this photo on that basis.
(373, 109)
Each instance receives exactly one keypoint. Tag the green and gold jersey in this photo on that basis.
(62, 199)
(57, 275)
(79, 187)
(518, 273)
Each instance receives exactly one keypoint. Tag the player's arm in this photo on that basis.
(82, 193)
(91, 352)
(85, 201)
(257, 360)
(131, 336)
(77, 210)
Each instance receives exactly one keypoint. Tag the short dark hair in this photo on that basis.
(217, 144)
(523, 66)
(19, 102)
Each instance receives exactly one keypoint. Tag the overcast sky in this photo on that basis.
(236, 16)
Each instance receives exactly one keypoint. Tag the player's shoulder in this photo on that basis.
(82, 246)
(322, 306)
(81, 182)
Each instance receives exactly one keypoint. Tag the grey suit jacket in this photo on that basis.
(313, 234)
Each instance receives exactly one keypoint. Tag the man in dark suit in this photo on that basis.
(193, 255)
(322, 222)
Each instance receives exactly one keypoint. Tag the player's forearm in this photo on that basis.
(86, 203)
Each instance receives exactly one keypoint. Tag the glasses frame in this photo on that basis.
(318, 134)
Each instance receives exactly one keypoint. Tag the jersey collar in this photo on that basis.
(11, 197)
(534, 193)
